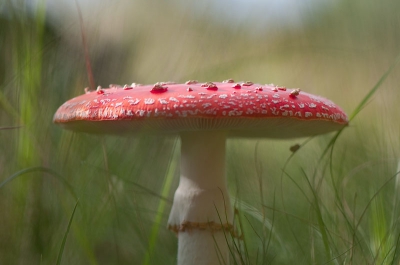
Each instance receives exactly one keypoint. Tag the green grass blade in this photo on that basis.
(10, 127)
(374, 89)
(7, 107)
(321, 223)
(161, 207)
(60, 253)
(362, 104)
(40, 169)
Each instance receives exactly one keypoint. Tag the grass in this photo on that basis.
(333, 201)
(59, 258)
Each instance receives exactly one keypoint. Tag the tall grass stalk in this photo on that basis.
(27, 61)
(60, 253)
(166, 190)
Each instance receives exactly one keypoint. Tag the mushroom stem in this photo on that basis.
(201, 213)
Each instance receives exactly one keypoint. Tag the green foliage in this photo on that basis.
(59, 258)
(334, 201)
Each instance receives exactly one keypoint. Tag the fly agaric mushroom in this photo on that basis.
(203, 115)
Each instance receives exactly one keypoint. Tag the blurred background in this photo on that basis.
(310, 207)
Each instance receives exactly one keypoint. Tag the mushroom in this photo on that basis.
(203, 115)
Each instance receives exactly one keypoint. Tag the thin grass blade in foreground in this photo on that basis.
(374, 89)
(161, 207)
(330, 146)
(10, 127)
(60, 253)
(40, 169)
(362, 104)
(356, 111)
(86, 49)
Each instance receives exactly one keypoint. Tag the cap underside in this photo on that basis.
(236, 127)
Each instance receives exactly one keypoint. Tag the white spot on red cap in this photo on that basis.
(163, 101)
(210, 86)
(99, 90)
(186, 96)
(140, 113)
(237, 86)
(247, 83)
(294, 93)
(134, 101)
(274, 111)
(159, 88)
(149, 101)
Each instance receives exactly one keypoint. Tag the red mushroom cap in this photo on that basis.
(253, 111)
